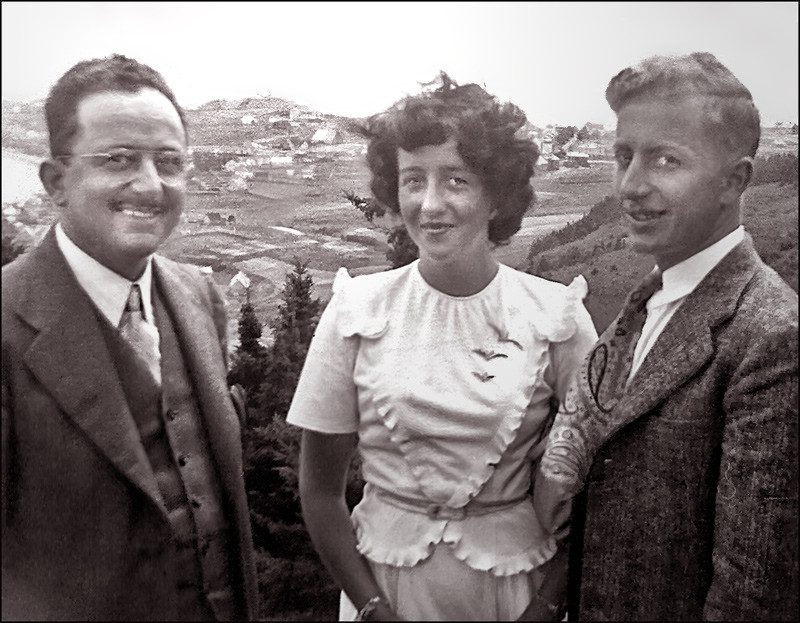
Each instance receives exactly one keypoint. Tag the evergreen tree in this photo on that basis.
(293, 328)
(249, 359)
(292, 579)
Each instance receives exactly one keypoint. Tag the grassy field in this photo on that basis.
(572, 190)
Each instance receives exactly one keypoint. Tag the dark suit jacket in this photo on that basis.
(690, 504)
(83, 523)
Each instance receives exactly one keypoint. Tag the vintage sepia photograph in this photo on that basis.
(399, 310)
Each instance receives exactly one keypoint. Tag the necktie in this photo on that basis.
(141, 335)
(610, 361)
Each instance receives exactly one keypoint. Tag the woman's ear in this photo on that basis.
(737, 179)
(51, 172)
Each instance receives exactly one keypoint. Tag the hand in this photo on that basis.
(384, 613)
(537, 610)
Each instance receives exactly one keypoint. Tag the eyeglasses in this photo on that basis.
(169, 164)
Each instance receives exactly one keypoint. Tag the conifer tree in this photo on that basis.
(298, 314)
(291, 575)
(249, 358)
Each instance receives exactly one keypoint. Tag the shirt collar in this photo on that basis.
(108, 290)
(684, 277)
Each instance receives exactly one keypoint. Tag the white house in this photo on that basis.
(328, 135)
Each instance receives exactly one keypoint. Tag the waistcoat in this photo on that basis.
(174, 437)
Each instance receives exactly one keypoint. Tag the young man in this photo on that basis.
(122, 487)
(680, 437)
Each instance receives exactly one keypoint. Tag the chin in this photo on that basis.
(142, 245)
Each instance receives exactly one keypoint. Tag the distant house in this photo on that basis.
(248, 119)
(570, 144)
(327, 135)
(594, 149)
(577, 159)
(213, 218)
(280, 160)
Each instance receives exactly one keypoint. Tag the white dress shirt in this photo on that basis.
(678, 282)
(108, 290)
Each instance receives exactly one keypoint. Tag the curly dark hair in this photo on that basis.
(98, 75)
(485, 132)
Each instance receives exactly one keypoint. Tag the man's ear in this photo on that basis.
(737, 179)
(51, 173)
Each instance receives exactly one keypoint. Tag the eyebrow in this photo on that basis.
(617, 145)
(446, 169)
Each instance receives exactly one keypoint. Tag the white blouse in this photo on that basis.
(451, 400)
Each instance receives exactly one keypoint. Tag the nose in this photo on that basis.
(146, 177)
(432, 201)
(632, 181)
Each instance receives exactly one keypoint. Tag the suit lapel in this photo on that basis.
(199, 340)
(686, 343)
(71, 360)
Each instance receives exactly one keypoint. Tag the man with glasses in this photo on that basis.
(122, 488)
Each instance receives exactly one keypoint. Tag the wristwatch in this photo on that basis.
(556, 611)
(365, 614)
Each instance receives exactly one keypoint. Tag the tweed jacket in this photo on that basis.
(83, 523)
(684, 495)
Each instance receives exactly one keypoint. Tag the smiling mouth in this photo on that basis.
(641, 216)
(138, 211)
(436, 227)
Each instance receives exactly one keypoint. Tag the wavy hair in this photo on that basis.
(486, 135)
(98, 75)
(728, 104)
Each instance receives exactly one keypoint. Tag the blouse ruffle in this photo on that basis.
(526, 314)
(502, 543)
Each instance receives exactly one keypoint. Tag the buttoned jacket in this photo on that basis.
(84, 527)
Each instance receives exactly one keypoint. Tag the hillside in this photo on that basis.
(595, 247)
(228, 124)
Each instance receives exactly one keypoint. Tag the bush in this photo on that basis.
(780, 168)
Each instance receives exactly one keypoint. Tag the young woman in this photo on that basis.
(442, 375)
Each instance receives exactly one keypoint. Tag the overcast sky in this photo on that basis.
(552, 59)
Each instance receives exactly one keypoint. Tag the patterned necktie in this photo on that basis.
(610, 361)
(141, 335)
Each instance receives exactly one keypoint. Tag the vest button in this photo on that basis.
(182, 461)
(171, 414)
(195, 502)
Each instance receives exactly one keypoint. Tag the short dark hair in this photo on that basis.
(98, 75)
(728, 105)
(485, 134)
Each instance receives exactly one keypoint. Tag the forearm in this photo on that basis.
(331, 530)
(324, 461)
